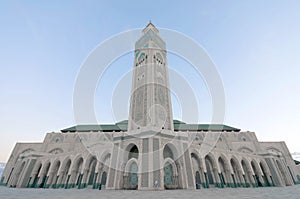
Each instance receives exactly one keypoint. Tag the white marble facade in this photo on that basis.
(150, 151)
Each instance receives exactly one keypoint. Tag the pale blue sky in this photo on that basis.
(254, 44)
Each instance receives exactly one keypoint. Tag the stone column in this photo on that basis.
(99, 176)
(73, 178)
(24, 177)
(242, 179)
(43, 174)
(51, 175)
(144, 165)
(62, 176)
(183, 178)
(111, 184)
(229, 181)
(216, 176)
(157, 171)
(85, 177)
(188, 167)
(16, 172)
(34, 176)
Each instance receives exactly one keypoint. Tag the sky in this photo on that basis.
(254, 45)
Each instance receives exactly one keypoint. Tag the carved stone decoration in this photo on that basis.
(56, 151)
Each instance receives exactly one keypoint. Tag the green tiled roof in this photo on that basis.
(122, 126)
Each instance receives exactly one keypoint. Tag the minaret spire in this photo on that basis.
(150, 26)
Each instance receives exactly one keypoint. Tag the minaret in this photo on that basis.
(150, 102)
(143, 156)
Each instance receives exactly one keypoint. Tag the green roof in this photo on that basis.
(122, 126)
(296, 162)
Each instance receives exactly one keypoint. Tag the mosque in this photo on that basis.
(150, 150)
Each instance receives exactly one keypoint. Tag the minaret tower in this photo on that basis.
(150, 103)
(150, 155)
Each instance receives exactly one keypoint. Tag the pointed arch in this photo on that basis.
(104, 157)
(128, 164)
(170, 174)
(64, 172)
(131, 151)
(76, 175)
(197, 169)
(131, 174)
(52, 179)
(35, 174)
(212, 177)
(172, 163)
(248, 174)
(266, 173)
(257, 173)
(167, 153)
(44, 174)
(237, 172)
(89, 173)
(283, 173)
(170, 151)
(224, 166)
(53, 171)
(103, 167)
(18, 174)
(172, 179)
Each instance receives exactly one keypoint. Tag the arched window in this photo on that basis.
(168, 153)
(133, 153)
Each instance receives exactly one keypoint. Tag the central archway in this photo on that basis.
(130, 176)
(133, 153)
(170, 168)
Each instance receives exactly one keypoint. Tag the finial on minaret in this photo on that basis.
(150, 26)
